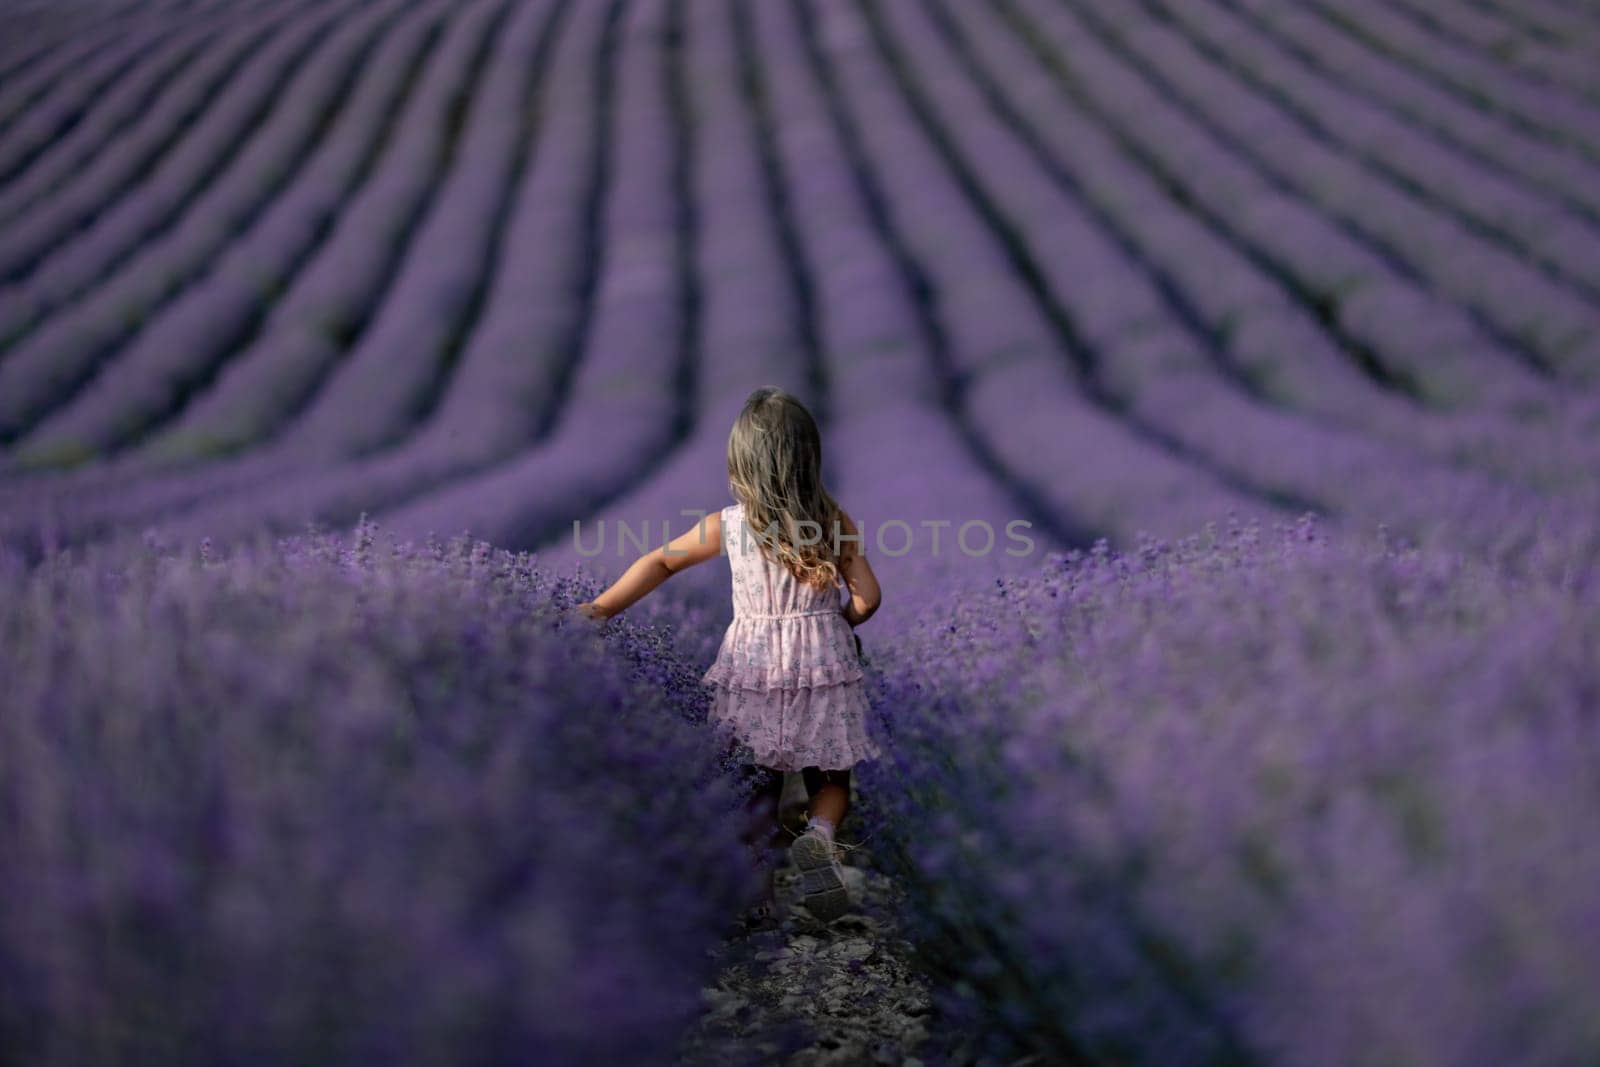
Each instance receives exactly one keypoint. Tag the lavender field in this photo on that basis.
(1273, 329)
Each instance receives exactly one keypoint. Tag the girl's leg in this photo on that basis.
(822, 881)
(763, 833)
(829, 792)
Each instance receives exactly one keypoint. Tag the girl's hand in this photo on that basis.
(590, 610)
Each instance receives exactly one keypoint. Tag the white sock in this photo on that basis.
(825, 825)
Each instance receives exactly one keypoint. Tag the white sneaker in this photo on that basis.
(821, 875)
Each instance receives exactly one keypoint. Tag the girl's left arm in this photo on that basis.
(700, 542)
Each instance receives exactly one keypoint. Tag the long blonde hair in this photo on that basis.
(775, 472)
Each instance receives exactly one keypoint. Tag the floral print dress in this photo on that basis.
(788, 682)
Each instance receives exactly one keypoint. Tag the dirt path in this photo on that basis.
(804, 993)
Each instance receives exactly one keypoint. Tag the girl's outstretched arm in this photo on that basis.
(697, 544)
(865, 596)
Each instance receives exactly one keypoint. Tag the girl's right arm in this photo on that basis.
(865, 596)
(697, 544)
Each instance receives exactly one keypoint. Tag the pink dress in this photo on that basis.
(788, 683)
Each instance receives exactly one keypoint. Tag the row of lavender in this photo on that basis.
(335, 800)
(1253, 796)
(499, 264)
(1115, 272)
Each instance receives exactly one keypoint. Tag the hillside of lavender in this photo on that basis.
(1216, 384)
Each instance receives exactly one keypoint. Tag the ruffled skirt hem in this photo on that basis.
(793, 728)
(786, 652)
(750, 676)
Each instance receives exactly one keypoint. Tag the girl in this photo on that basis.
(787, 680)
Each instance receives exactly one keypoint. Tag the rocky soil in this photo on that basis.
(804, 993)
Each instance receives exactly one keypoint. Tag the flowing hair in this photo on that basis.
(775, 472)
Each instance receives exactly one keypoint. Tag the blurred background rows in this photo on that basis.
(503, 266)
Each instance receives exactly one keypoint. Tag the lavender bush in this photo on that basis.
(331, 801)
(503, 265)
(1255, 795)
